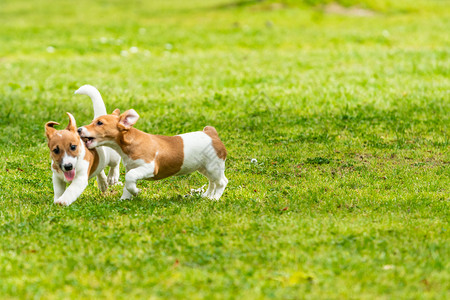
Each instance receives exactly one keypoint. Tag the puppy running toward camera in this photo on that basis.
(73, 162)
(148, 156)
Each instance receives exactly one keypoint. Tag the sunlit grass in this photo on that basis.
(347, 118)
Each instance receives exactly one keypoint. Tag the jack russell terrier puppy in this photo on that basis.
(148, 156)
(73, 162)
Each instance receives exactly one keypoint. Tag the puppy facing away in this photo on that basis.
(73, 162)
(148, 156)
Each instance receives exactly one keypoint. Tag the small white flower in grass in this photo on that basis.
(50, 49)
(254, 161)
(103, 40)
(124, 53)
(134, 49)
(388, 267)
(168, 46)
(386, 33)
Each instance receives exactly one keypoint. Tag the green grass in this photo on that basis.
(348, 118)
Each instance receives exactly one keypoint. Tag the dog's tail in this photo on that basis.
(97, 101)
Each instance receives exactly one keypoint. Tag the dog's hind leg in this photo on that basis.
(220, 187)
(102, 181)
(113, 175)
(217, 180)
(211, 185)
(114, 171)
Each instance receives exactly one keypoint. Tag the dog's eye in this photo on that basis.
(56, 150)
(99, 123)
(73, 147)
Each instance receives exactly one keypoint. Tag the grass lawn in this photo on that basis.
(348, 118)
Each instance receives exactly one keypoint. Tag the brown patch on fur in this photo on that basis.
(92, 157)
(217, 144)
(170, 156)
(56, 168)
(49, 129)
(72, 126)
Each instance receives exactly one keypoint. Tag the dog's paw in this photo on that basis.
(132, 189)
(125, 197)
(114, 180)
(62, 202)
(103, 186)
(134, 192)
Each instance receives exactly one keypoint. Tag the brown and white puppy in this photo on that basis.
(148, 156)
(74, 163)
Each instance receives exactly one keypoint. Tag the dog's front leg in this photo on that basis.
(59, 186)
(132, 176)
(73, 191)
(126, 194)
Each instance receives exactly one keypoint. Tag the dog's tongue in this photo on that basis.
(69, 175)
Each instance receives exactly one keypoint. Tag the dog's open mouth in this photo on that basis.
(88, 141)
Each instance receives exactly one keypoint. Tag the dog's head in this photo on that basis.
(108, 128)
(65, 147)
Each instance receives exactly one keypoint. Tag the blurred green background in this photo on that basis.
(344, 104)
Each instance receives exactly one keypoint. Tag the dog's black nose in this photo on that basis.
(68, 167)
(79, 130)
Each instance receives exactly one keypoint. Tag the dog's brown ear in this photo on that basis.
(116, 112)
(49, 130)
(72, 123)
(128, 119)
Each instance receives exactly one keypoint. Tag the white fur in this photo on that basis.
(136, 169)
(96, 97)
(144, 171)
(200, 155)
(68, 196)
(197, 148)
(67, 159)
(110, 158)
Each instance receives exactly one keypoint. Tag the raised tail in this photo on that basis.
(211, 131)
(217, 144)
(97, 101)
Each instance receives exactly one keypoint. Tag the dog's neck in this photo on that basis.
(122, 144)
